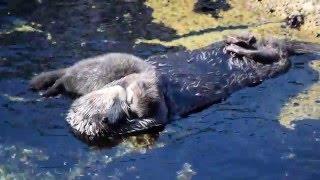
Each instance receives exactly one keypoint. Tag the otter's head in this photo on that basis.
(143, 97)
(93, 114)
(114, 110)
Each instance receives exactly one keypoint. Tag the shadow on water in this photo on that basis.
(211, 7)
(240, 137)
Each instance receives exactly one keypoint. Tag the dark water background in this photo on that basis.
(238, 138)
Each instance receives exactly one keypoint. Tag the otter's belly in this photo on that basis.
(196, 79)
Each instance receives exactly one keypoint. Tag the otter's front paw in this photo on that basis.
(233, 50)
(245, 41)
(237, 51)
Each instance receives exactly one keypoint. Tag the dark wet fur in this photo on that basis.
(116, 136)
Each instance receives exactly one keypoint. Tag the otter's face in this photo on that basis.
(142, 98)
(94, 113)
(112, 110)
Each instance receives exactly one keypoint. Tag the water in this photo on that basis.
(242, 137)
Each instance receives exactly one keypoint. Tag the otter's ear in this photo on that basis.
(139, 126)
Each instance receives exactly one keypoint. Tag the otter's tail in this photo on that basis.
(297, 47)
(46, 79)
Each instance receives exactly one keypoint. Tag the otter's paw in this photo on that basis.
(97, 114)
(234, 50)
(245, 41)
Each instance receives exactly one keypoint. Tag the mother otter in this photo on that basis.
(123, 94)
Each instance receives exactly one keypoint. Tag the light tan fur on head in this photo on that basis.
(143, 96)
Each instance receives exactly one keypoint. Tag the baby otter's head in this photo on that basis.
(104, 112)
(93, 113)
(143, 97)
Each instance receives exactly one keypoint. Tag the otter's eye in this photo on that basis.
(105, 120)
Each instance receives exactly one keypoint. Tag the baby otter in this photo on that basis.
(89, 74)
(130, 104)
(123, 93)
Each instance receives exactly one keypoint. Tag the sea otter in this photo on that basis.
(124, 94)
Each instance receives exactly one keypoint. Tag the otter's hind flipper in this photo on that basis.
(46, 79)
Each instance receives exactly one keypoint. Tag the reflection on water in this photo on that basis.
(240, 137)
